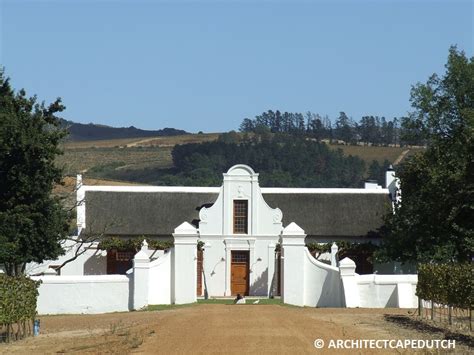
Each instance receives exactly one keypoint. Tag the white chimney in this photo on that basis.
(393, 184)
(390, 177)
(80, 203)
(78, 181)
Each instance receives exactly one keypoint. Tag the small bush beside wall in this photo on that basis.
(18, 297)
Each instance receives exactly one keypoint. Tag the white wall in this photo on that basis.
(377, 291)
(148, 282)
(214, 265)
(309, 282)
(159, 291)
(83, 294)
(381, 291)
(323, 287)
(92, 262)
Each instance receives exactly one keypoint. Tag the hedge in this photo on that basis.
(18, 296)
(449, 284)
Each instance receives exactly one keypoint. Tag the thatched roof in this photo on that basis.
(158, 213)
(333, 214)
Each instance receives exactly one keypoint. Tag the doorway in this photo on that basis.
(240, 272)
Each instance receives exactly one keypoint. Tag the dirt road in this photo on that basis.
(220, 328)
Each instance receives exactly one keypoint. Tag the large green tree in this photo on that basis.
(435, 220)
(32, 221)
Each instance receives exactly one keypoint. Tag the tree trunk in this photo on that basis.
(14, 269)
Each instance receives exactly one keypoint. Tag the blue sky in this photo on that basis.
(205, 65)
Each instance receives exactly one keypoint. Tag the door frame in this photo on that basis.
(248, 271)
(235, 243)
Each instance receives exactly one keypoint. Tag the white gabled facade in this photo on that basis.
(217, 234)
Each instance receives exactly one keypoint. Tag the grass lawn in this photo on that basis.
(249, 302)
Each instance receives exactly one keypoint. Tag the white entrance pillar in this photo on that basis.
(348, 276)
(141, 270)
(185, 263)
(293, 255)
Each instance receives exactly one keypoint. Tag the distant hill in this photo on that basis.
(94, 132)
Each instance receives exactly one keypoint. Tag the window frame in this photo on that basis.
(235, 217)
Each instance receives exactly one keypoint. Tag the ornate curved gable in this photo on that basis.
(239, 192)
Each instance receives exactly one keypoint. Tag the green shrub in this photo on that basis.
(449, 284)
(18, 296)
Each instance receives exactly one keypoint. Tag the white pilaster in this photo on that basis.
(271, 268)
(228, 261)
(293, 254)
(348, 276)
(185, 263)
(141, 270)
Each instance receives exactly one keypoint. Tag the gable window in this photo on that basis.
(240, 216)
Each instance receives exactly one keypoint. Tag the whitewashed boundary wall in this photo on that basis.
(148, 282)
(152, 280)
(171, 278)
(309, 282)
(323, 286)
(377, 291)
(160, 280)
(83, 294)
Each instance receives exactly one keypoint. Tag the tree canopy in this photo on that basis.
(435, 221)
(282, 160)
(32, 221)
(373, 130)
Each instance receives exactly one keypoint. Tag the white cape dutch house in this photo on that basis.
(240, 227)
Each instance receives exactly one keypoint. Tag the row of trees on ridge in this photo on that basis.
(373, 130)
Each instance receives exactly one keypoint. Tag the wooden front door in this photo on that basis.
(240, 272)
